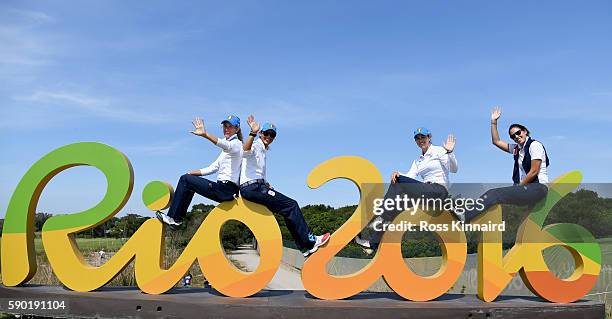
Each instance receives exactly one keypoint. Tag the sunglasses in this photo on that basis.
(516, 134)
(269, 133)
(419, 136)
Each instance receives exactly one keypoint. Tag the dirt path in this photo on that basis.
(286, 277)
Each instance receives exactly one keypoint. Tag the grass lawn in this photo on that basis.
(88, 244)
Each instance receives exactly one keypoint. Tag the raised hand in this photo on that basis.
(449, 146)
(199, 127)
(254, 125)
(496, 113)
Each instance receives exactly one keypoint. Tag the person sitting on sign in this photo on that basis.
(227, 165)
(255, 188)
(433, 165)
(530, 172)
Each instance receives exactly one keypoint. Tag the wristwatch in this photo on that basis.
(253, 134)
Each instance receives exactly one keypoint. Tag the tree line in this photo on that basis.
(583, 207)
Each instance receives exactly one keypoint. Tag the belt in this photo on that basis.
(253, 181)
(229, 182)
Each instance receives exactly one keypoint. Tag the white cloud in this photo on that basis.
(102, 107)
(602, 93)
(289, 114)
(77, 99)
(21, 48)
(281, 112)
(557, 137)
(160, 149)
(29, 16)
(24, 42)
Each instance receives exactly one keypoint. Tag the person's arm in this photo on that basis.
(533, 172)
(412, 173)
(196, 172)
(254, 129)
(211, 169)
(537, 153)
(201, 131)
(220, 142)
(258, 153)
(494, 133)
(452, 163)
(449, 160)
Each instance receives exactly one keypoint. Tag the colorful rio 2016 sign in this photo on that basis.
(145, 247)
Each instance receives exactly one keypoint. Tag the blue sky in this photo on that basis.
(336, 77)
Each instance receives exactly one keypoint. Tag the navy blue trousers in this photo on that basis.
(521, 195)
(280, 204)
(188, 185)
(412, 189)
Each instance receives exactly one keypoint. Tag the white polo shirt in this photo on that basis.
(536, 150)
(228, 162)
(254, 162)
(434, 166)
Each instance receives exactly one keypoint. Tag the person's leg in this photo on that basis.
(401, 179)
(413, 189)
(278, 203)
(404, 186)
(225, 191)
(185, 189)
(521, 195)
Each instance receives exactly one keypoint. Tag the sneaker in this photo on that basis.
(166, 219)
(378, 220)
(364, 244)
(460, 217)
(162, 217)
(319, 241)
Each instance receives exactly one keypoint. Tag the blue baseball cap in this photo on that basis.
(268, 126)
(233, 120)
(421, 131)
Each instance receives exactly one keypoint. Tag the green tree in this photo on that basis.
(40, 219)
(127, 225)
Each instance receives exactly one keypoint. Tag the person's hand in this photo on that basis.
(495, 114)
(199, 127)
(394, 176)
(195, 172)
(254, 125)
(449, 146)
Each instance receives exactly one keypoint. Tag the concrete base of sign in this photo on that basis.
(207, 303)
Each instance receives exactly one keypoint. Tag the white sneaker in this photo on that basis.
(362, 242)
(379, 220)
(365, 245)
(460, 217)
(319, 241)
(166, 219)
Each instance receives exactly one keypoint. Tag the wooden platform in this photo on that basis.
(207, 303)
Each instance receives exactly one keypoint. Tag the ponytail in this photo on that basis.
(239, 134)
